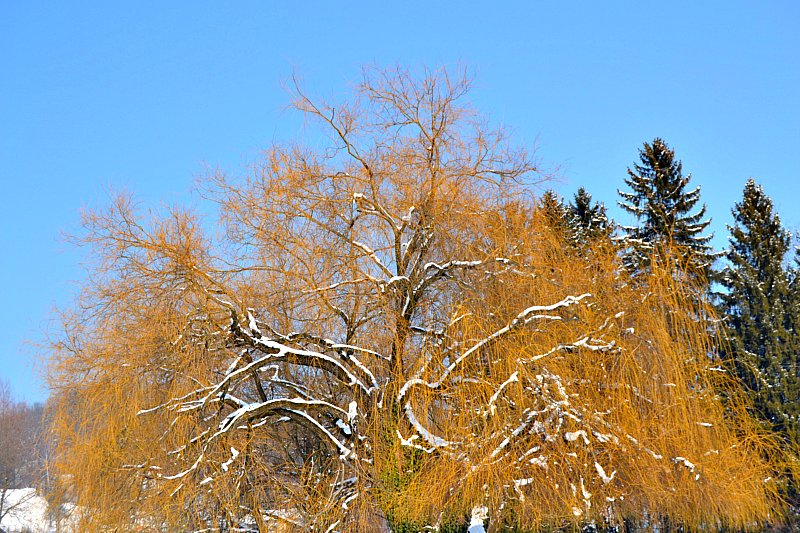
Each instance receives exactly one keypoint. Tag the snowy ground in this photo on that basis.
(27, 512)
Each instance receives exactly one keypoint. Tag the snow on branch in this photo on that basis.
(522, 319)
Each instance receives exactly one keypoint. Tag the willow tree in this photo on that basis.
(387, 333)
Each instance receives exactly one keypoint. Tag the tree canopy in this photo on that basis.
(389, 332)
(758, 306)
(663, 207)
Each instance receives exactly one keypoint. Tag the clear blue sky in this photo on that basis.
(143, 95)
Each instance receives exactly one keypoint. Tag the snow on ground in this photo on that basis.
(479, 516)
(27, 512)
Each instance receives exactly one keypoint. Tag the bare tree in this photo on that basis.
(387, 331)
(20, 460)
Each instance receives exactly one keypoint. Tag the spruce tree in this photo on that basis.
(792, 322)
(757, 307)
(588, 220)
(794, 292)
(663, 209)
(556, 215)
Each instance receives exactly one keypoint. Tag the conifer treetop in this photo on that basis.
(589, 219)
(664, 207)
(759, 311)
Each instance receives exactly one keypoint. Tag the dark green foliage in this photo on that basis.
(760, 311)
(588, 220)
(448, 525)
(396, 480)
(794, 293)
(556, 213)
(663, 210)
(579, 223)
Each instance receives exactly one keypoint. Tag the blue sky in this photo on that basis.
(144, 96)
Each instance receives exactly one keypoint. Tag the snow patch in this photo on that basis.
(602, 473)
(479, 516)
(27, 511)
(344, 427)
(227, 464)
(540, 461)
(571, 436)
(686, 462)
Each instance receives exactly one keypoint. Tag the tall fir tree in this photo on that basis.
(794, 290)
(587, 219)
(758, 310)
(792, 322)
(556, 214)
(663, 208)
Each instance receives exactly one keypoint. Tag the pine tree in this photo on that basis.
(588, 220)
(556, 214)
(794, 292)
(662, 206)
(758, 311)
(792, 322)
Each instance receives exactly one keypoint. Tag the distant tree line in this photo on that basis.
(22, 447)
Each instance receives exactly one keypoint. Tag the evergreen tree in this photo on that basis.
(794, 291)
(588, 220)
(556, 214)
(758, 311)
(792, 323)
(663, 209)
